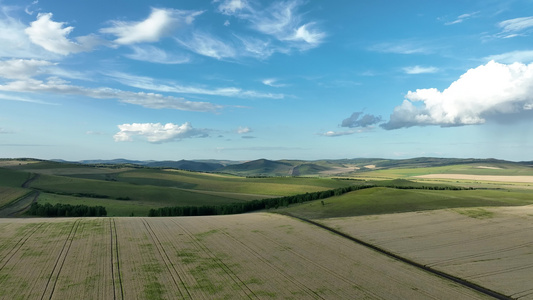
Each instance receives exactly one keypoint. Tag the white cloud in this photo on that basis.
(420, 70)
(307, 34)
(23, 99)
(54, 85)
(337, 133)
(272, 82)
(15, 42)
(512, 57)
(160, 23)
(148, 83)
(52, 36)
(207, 45)
(155, 55)
(157, 132)
(461, 18)
(243, 130)
(229, 7)
(280, 20)
(491, 90)
(22, 68)
(401, 47)
(517, 24)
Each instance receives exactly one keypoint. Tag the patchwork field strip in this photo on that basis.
(249, 256)
(494, 250)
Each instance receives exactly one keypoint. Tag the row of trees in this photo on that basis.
(66, 210)
(239, 208)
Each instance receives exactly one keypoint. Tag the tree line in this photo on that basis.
(66, 210)
(239, 208)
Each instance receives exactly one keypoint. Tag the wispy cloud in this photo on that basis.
(243, 130)
(156, 55)
(420, 70)
(207, 45)
(462, 18)
(273, 82)
(157, 132)
(493, 90)
(172, 87)
(160, 23)
(54, 85)
(281, 20)
(23, 68)
(337, 133)
(515, 27)
(23, 99)
(401, 47)
(525, 56)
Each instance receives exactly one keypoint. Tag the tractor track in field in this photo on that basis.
(168, 262)
(441, 274)
(60, 261)
(115, 260)
(19, 245)
(246, 290)
(297, 283)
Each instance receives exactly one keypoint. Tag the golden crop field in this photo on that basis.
(259, 255)
(489, 246)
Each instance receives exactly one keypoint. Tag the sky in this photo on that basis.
(245, 79)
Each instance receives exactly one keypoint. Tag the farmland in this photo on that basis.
(488, 246)
(126, 190)
(408, 226)
(200, 258)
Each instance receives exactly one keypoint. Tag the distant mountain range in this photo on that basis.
(265, 167)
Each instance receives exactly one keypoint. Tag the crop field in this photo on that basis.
(490, 246)
(127, 191)
(264, 256)
(9, 194)
(381, 200)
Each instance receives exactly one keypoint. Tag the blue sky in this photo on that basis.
(242, 80)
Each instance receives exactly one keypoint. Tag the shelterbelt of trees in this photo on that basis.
(254, 205)
(66, 210)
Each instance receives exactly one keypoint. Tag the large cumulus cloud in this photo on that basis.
(488, 91)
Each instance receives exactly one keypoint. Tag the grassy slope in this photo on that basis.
(10, 185)
(13, 178)
(152, 188)
(386, 200)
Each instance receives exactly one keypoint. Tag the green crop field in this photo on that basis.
(10, 194)
(383, 200)
(124, 191)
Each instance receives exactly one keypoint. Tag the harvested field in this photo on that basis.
(245, 256)
(492, 247)
(494, 178)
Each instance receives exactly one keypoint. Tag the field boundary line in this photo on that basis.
(442, 274)
(60, 261)
(167, 260)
